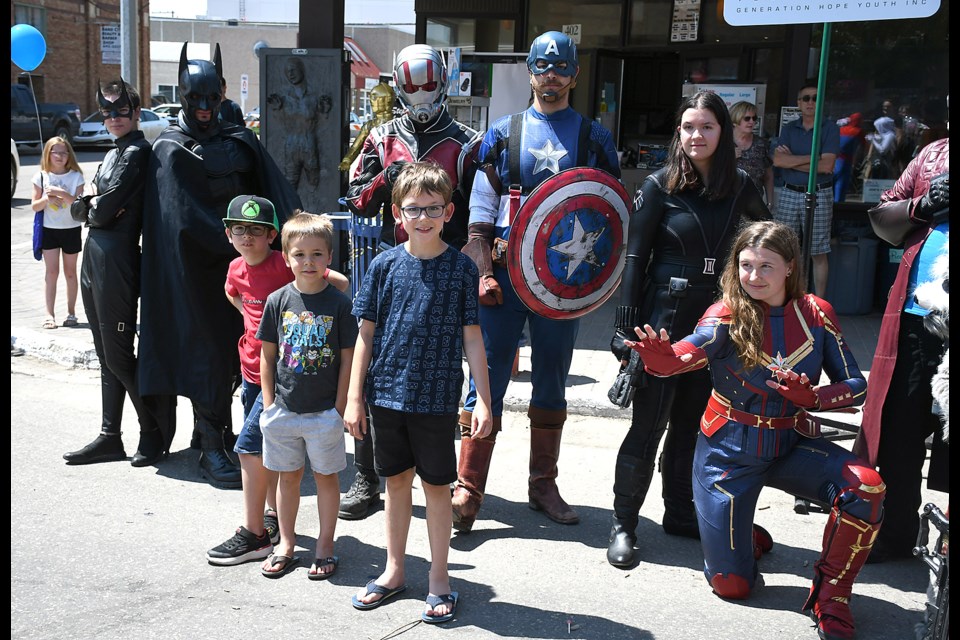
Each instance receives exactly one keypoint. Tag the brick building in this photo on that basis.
(75, 32)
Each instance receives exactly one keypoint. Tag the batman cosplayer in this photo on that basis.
(112, 208)
(189, 331)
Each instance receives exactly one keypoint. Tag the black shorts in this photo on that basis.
(424, 441)
(67, 240)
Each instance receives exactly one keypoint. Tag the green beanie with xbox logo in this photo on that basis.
(251, 209)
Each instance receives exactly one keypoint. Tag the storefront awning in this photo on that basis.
(361, 65)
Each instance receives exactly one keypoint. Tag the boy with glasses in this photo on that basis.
(251, 226)
(792, 156)
(418, 317)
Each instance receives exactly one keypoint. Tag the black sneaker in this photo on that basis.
(271, 524)
(362, 495)
(242, 547)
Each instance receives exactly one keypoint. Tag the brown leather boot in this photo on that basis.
(475, 455)
(546, 429)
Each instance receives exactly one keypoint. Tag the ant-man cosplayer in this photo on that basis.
(425, 131)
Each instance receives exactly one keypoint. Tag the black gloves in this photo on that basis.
(936, 198)
(620, 350)
(392, 171)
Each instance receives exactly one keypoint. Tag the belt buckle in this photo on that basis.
(761, 420)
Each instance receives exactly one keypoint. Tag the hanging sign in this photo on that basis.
(749, 13)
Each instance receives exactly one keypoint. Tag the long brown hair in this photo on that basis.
(746, 322)
(72, 164)
(681, 175)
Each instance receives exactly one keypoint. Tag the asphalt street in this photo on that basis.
(110, 551)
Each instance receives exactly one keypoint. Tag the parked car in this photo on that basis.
(168, 110)
(14, 167)
(93, 131)
(355, 125)
(252, 121)
(56, 118)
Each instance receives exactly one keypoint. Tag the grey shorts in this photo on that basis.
(288, 437)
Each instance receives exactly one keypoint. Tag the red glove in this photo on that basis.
(663, 359)
(795, 388)
(490, 292)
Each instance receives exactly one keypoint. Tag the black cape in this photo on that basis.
(188, 329)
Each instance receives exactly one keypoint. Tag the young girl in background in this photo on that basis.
(55, 187)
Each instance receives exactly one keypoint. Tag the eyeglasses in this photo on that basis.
(59, 153)
(433, 211)
(749, 118)
(808, 98)
(254, 230)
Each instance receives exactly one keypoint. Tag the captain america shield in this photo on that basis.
(565, 250)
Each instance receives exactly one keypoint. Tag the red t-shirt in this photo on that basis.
(253, 285)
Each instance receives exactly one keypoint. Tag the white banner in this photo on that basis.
(110, 43)
(747, 13)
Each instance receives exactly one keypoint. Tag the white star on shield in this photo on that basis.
(548, 157)
(579, 248)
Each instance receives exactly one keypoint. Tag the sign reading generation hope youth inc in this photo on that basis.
(746, 13)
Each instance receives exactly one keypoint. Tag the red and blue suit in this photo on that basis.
(752, 436)
(451, 144)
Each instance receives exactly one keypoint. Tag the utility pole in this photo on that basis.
(129, 45)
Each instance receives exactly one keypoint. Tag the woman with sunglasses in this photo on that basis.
(753, 152)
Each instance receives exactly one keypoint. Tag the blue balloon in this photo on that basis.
(27, 47)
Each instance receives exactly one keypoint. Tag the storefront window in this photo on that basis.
(599, 20)
(886, 68)
(481, 35)
(650, 22)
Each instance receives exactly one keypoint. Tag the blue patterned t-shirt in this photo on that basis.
(419, 308)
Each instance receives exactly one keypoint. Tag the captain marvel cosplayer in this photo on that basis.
(767, 343)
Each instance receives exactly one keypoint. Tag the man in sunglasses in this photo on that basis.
(425, 131)
(518, 153)
(792, 156)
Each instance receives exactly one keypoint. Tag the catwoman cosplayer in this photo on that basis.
(190, 331)
(110, 283)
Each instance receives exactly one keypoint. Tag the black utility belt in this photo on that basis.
(678, 287)
(803, 189)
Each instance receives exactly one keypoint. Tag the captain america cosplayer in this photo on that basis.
(756, 431)
(425, 131)
(518, 153)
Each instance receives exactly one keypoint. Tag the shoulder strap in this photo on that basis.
(583, 142)
(514, 141)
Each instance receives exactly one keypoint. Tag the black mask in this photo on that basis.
(200, 89)
(122, 107)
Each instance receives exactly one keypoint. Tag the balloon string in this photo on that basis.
(36, 109)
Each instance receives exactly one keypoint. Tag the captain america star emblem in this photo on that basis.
(566, 248)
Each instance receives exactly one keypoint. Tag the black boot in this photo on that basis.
(364, 493)
(676, 470)
(106, 448)
(150, 449)
(215, 465)
(631, 481)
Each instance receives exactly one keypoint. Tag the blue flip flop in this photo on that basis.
(385, 593)
(435, 601)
